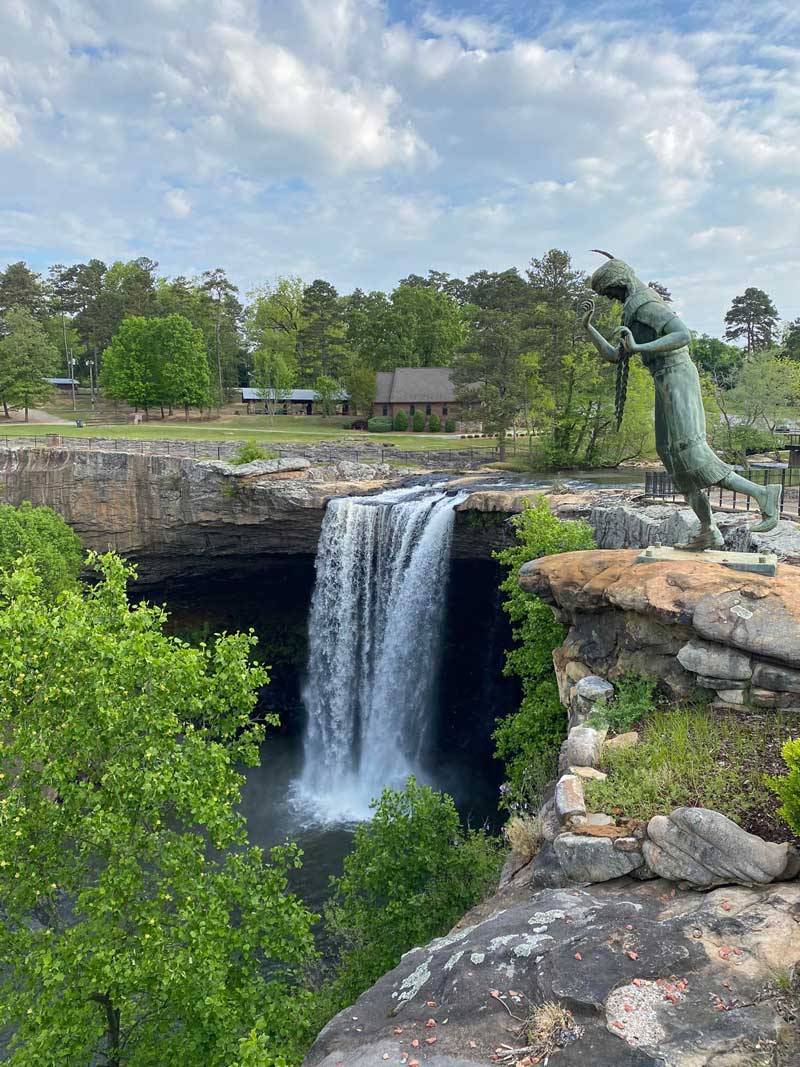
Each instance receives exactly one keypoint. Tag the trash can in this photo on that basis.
(79, 423)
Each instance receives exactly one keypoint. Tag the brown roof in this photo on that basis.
(415, 385)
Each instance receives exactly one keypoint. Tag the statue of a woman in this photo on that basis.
(651, 328)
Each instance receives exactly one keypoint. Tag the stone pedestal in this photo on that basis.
(756, 562)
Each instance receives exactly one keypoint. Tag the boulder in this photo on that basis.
(771, 676)
(717, 661)
(593, 950)
(760, 619)
(731, 696)
(705, 848)
(589, 773)
(593, 688)
(569, 799)
(548, 820)
(587, 859)
(583, 746)
(721, 683)
(626, 740)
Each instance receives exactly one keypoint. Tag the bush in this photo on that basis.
(687, 757)
(418, 425)
(414, 870)
(379, 424)
(250, 452)
(434, 423)
(450, 426)
(528, 740)
(633, 701)
(401, 421)
(788, 787)
(51, 549)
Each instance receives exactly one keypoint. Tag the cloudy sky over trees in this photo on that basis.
(358, 140)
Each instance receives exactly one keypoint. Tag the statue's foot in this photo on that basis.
(709, 538)
(771, 511)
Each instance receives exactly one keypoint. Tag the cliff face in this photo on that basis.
(169, 514)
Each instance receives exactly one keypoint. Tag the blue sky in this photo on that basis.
(358, 140)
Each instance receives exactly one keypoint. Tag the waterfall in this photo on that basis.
(374, 643)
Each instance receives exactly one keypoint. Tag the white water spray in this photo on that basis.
(374, 642)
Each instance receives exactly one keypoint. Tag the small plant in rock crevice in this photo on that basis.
(634, 699)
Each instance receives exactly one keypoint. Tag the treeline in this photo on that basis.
(510, 337)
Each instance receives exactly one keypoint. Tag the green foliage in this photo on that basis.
(687, 757)
(400, 421)
(528, 740)
(27, 356)
(418, 422)
(360, 385)
(249, 452)
(49, 546)
(788, 787)
(633, 701)
(327, 390)
(414, 870)
(379, 424)
(434, 423)
(138, 926)
(157, 361)
(450, 426)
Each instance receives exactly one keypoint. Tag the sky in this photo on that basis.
(362, 140)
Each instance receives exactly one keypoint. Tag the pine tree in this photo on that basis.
(753, 319)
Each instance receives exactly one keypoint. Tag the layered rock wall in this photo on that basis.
(690, 623)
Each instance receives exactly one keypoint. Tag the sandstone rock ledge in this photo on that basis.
(654, 977)
(690, 623)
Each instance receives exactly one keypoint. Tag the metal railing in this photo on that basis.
(433, 459)
(658, 485)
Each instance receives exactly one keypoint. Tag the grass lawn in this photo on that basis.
(261, 428)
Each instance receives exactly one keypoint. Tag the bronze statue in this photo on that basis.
(651, 328)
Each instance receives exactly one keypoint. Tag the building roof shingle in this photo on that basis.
(415, 385)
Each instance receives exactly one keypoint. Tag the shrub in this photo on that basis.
(434, 423)
(528, 740)
(788, 787)
(450, 426)
(414, 870)
(401, 421)
(379, 424)
(49, 546)
(418, 424)
(250, 452)
(687, 757)
(633, 701)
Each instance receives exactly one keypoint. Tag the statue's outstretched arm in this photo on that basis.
(606, 350)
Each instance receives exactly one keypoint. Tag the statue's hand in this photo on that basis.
(626, 337)
(586, 311)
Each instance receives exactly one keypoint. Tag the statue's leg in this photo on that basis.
(709, 535)
(768, 498)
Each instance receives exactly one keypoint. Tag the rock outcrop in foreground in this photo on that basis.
(690, 623)
(653, 977)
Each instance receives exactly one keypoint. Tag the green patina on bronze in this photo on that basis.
(651, 328)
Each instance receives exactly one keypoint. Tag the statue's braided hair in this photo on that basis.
(623, 365)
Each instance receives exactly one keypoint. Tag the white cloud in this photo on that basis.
(348, 140)
(177, 203)
(10, 132)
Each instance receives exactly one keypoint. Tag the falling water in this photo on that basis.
(374, 641)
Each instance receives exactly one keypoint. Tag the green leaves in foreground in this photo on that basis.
(137, 926)
(414, 870)
(788, 787)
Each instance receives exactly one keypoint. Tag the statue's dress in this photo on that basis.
(680, 419)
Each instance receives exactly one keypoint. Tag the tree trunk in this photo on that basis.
(112, 1028)
(186, 411)
(162, 411)
(501, 444)
(6, 412)
(26, 412)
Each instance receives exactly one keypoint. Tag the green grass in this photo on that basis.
(690, 757)
(304, 431)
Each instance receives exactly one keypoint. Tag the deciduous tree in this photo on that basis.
(138, 927)
(27, 356)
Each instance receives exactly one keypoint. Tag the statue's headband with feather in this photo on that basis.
(613, 275)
